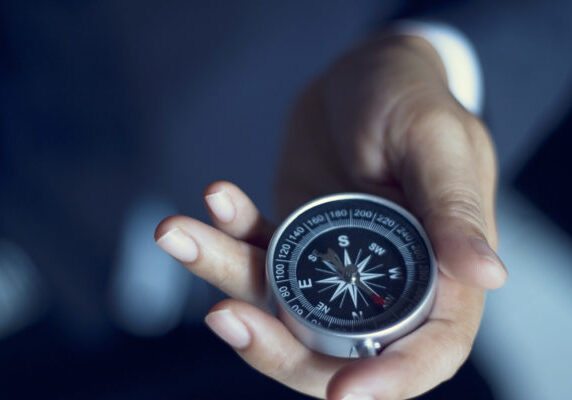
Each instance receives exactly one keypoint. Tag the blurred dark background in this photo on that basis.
(114, 114)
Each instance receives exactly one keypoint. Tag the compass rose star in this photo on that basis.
(343, 285)
(353, 293)
(332, 281)
(366, 276)
(363, 264)
(347, 259)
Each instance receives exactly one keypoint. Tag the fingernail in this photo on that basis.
(354, 396)
(221, 205)
(179, 244)
(484, 250)
(229, 328)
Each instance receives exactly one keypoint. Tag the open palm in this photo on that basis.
(380, 121)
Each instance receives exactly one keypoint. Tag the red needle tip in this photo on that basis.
(378, 299)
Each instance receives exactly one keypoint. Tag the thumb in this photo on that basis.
(449, 177)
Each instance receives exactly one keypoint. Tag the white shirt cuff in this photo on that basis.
(464, 74)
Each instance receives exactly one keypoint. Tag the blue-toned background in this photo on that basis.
(114, 114)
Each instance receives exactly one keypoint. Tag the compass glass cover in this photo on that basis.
(350, 264)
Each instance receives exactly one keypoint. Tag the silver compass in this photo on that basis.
(350, 273)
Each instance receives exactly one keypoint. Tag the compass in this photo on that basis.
(350, 273)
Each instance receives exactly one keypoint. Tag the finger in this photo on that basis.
(265, 343)
(233, 212)
(422, 360)
(449, 177)
(233, 266)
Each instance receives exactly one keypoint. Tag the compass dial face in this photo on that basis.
(350, 263)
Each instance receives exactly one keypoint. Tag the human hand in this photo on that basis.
(381, 121)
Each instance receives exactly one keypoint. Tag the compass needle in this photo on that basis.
(389, 286)
(330, 265)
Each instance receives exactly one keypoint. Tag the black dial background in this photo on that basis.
(359, 239)
(364, 221)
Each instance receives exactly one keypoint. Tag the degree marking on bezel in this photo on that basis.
(291, 300)
(307, 227)
(391, 231)
(373, 219)
(310, 313)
